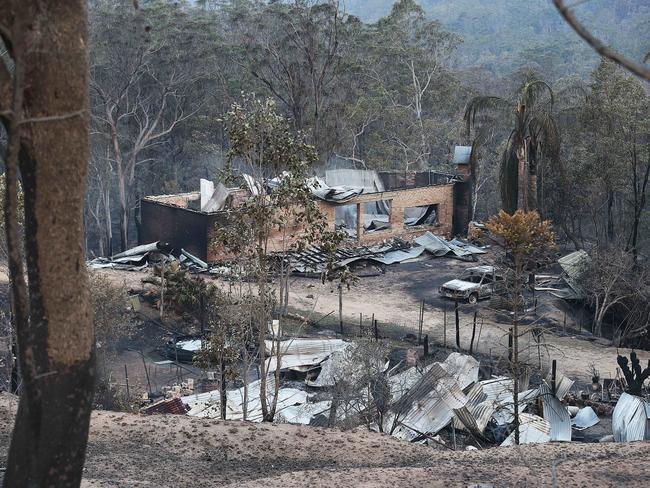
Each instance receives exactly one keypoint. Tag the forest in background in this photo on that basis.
(368, 92)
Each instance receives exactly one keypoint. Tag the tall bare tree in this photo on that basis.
(44, 108)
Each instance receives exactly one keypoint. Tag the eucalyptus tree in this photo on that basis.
(44, 110)
(614, 139)
(533, 138)
(153, 69)
(295, 53)
(279, 216)
(408, 85)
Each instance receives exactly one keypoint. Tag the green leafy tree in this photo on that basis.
(276, 221)
(230, 339)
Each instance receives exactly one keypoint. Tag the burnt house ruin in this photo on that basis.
(370, 206)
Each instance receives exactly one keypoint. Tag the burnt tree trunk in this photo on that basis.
(45, 111)
(223, 394)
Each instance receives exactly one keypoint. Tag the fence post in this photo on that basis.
(341, 308)
(457, 324)
(444, 326)
(554, 377)
(128, 393)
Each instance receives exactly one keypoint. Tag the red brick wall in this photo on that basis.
(441, 195)
(179, 200)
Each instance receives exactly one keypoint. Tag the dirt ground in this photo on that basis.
(394, 297)
(133, 451)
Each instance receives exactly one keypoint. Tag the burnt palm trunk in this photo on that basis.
(522, 178)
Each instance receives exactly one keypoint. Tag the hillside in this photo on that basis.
(503, 35)
(164, 451)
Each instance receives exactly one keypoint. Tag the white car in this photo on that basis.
(474, 284)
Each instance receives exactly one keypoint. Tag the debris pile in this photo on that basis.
(142, 257)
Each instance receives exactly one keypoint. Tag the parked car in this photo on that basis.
(474, 284)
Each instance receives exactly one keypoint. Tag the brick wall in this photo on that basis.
(179, 200)
(441, 195)
(162, 219)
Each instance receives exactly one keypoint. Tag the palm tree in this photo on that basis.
(533, 135)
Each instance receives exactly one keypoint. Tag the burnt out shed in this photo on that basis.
(177, 220)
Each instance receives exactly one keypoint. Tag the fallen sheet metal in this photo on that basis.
(461, 367)
(402, 382)
(299, 345)
(532, 430)
(574, 266)
(213, 198)
(631, 419)
(585, 418)
(483, 400)
(198, 263)
(144, 248)
(344, 365)
(314, 260)
(556, 414)
(562, 384)
(207, 404)
(399, 256)
(254, 187)
(301, 354)
(295, 362)
(304, 413)
(438, 246)
(427, 407)
(504, 413)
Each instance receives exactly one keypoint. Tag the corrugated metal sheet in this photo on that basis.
(398, 256)
(532, 430)
(585, 418)
(463, 368)
(574, 265)
(556, 414)
(297, 345)
(207, 404)
(428, 406)
(462, 154)
(505, 408)
(498, 389)
(303, 413)
(474, 418)
(563, 384)
(402, 382)
(344, 364)
(439, 246)
(432, 412)
(631, 419)
(483, 400)
(302, 354)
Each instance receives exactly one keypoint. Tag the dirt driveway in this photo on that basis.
(394, 298)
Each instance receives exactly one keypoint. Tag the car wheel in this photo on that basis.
(473, 299)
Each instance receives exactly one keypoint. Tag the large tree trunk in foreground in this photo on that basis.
(48, 133)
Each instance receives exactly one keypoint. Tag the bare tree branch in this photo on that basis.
(597, 44)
